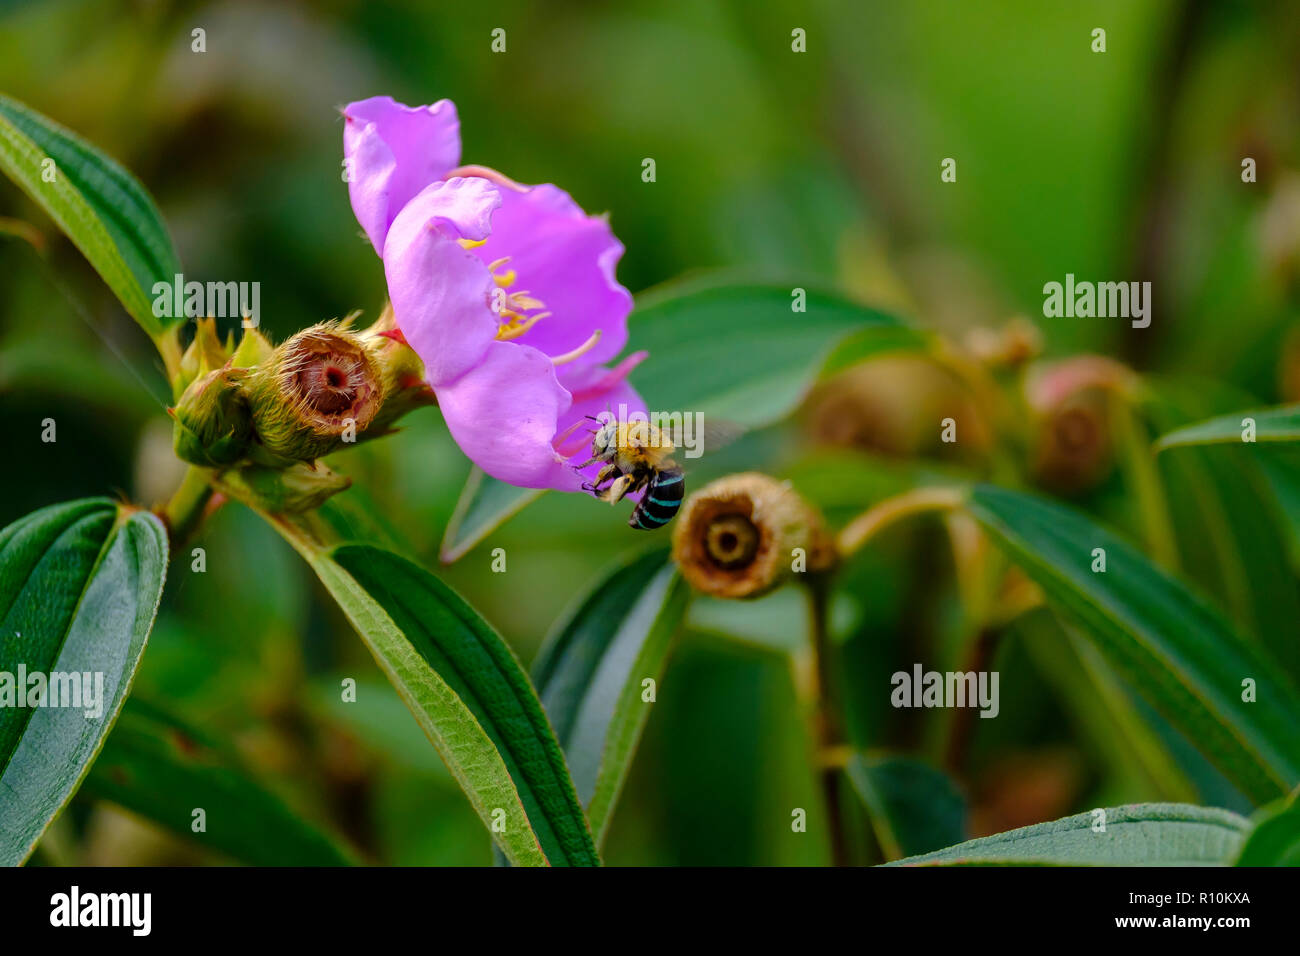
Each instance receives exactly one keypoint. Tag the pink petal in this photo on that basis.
(566, 259)
(503, 414)
(393, 151)
(441, 292)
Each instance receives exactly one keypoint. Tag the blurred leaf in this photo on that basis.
(1173, 647)
(728, 351)
(98, 205)
(462, 683)
(1231, 542)
(740, 353)
(1281, 467)
(485, 504)
(1280, 424)
(590, 669)
(1142, 834)
(79, 587)
(154, 765)
(1275, 840)
(913, 807)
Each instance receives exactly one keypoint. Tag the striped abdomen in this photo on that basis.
(663, 496)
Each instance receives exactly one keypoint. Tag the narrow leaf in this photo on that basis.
(913, 808)
(101, 207)
(1281, 424)
(485, 504)
(1143, 834)
(1173, 647)
(467, 692)
(79, 588)
(154, 765)
(590, 672)
(482, 671)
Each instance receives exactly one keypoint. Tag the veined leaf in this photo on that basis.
(101, 207)
(79, 588)
(1237, 555)
(590, 669)
(1173, 647)
(466, 689)
(154, 765)
(1142, 834)
(735, 352)
(912, 807)
(1280, 424)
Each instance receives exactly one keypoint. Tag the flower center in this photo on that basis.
(518, 310)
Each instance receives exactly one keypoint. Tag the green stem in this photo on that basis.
(828, 734)
(184, 511)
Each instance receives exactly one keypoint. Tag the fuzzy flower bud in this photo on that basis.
(212, 422)
(316, 392)
(744, 535)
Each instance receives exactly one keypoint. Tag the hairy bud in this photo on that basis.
(316, 391)
(212, 422)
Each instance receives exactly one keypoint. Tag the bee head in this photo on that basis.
(604, 440)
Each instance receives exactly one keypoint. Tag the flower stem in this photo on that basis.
(828, 734)
(185, 509)
(872, 521)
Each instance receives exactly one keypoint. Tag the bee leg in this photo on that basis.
(608, 473)
(622, 486)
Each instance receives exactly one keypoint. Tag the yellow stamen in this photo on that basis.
(505, 281)
(471, 243)
(580, 351)
(512, 329)
(522, 300)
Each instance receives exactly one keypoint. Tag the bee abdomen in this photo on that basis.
(662, 498)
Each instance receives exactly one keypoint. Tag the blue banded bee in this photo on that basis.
(637, 456)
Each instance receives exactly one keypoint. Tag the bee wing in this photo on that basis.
(707, 434)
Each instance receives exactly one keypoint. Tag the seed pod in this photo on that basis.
(744, 535)
(317, 391)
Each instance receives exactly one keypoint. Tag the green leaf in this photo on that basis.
(740, 352)
(1173, 647)
(467, 691)
(101, 207)
(79, 588)
(733, 352)
(1281, 424)
(1237, 555)
(913, 808)
(590, 669)
(1142, 834)
(1275, 840)
(485, 504)
(154, 765)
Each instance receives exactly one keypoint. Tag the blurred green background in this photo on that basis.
(821, 166)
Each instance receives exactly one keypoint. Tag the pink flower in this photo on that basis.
(506, 292)
(391, 152)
